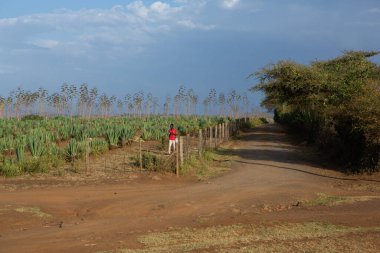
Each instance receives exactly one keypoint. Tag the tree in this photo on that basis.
(336, 102)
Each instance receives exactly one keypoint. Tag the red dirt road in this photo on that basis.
(268, 182)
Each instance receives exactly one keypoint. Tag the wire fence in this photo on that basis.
(135, 157)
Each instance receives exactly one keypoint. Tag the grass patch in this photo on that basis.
(326, 200)
(209, 165)
(35, 211)
(287, 237)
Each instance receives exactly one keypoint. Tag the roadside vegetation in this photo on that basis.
(209, 165)
(336, 103)
(281, 237)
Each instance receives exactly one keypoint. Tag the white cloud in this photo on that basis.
(191, 25)
(129, 28)
(157, 10)
(48, 44)
(230, 4)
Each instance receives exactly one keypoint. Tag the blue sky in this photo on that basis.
(156, 46)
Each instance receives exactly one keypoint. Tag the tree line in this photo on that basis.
(85, 101)
(335, 102)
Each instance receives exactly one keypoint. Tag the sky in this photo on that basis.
(125, 46)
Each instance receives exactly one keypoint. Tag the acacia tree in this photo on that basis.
(337, 102)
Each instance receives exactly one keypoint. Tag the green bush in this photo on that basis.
(32, 117)
(152, 162)
(336, 103)
(37, 165)
(98, 146)
(10, 169)
(73, 150)
(253, 122)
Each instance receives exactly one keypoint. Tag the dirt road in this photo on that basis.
(271, 182)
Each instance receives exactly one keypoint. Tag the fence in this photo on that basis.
(208, 138)
(188, 145)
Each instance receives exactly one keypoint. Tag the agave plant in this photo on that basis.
(113, 135)
(73, 150)
(126, 134)
(36, 142)
(98, 146)
(20, 148)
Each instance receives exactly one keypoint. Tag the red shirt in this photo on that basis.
(172, 134)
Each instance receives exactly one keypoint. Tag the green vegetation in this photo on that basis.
(335, 102)
(154, 162)
(284, 237)
(210, 164)
(254, 122)
(51, 142)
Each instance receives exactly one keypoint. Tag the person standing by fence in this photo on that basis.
(172, 137)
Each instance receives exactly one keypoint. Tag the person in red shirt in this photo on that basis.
(172, 137)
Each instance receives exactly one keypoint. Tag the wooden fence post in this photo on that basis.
(125, 163)
(177, 161)
(188, 143)
(87, 154)
(181, 150)
(140, 155)
(227, 131)
(200, 142)
(223, 131)
(220, 134)
(210, 144)
(216, 136)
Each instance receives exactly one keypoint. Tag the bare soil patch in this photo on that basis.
(259, 205)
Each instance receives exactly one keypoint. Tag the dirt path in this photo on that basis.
(270, 182)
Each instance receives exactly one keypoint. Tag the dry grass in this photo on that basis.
(326, 200)
(35, 211)
(210, 165)
(288, 237)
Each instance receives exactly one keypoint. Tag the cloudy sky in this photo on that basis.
(124, 46)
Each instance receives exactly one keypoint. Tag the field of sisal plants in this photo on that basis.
(40, 142)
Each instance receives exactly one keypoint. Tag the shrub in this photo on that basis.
(98, 146)
(37, 165)
(32, 117)
(73, 150)
(152, 162)
(338, 99)
(10, 169)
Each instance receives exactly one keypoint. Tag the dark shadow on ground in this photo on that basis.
(308, 172)
(275, 144)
